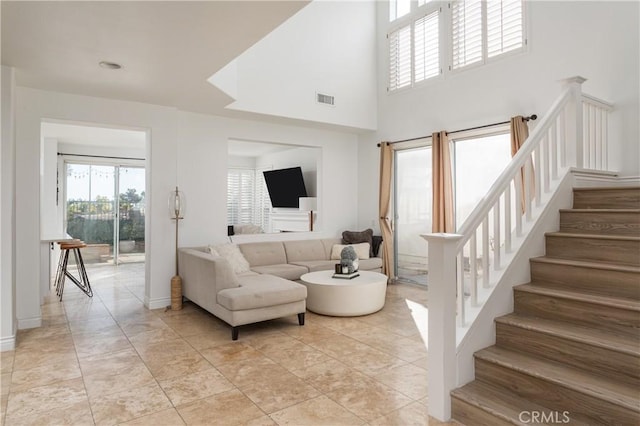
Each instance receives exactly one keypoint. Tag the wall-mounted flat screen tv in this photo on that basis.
(285, 186)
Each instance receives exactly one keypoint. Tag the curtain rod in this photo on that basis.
(100, 156)
(531, 117)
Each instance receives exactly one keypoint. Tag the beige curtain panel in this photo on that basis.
(442, 184)
(519, 134)
(386, 173)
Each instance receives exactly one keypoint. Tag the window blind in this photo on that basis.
(262, 214)
(240, 196)
(426, 47)
(466, 33)
(504, 26)
(400, 58)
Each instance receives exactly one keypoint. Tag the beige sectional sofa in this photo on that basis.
(268, 290)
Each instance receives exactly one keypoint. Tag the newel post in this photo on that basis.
(442, 374)
(575, 137)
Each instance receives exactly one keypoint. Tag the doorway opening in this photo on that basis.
(94, 187)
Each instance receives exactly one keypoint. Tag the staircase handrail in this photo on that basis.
(517, 163)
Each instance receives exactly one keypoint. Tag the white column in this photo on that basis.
(8, 323)
(574, 131)
(442, 322)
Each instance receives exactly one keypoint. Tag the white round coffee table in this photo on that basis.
(343, 297)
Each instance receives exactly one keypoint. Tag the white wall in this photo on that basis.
(242, 162)
(327, 47)
(203, 162)
(185, 149)
(8, 323)
(32, 107)
(597, 40)
(50, 221)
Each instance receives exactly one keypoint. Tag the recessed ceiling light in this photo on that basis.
(110, 65)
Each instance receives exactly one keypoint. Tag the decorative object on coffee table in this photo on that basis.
(176, 209)
(349, 258)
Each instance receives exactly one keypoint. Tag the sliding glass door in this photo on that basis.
(477, 162)
(131, 214)
(412, 213)
(105, 204)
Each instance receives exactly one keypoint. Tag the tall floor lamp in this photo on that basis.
(176, 210)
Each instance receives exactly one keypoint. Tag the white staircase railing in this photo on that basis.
(466, 267)
(595, 117)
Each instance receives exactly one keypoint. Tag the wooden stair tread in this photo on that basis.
(548, 289)
(589, 264)
(499, 403)
(593, 236)
(599, 210)
(574, 332)
(607, 188)
(597, 386)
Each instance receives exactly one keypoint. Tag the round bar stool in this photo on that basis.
(62, 273)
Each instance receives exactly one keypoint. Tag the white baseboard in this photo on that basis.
(584, 178)
(34, 322)
(159, 303)
(629, 180)
(7, 343)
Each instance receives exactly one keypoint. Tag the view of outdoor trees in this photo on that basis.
(93, 221)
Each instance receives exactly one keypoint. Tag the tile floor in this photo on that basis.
(109, 360)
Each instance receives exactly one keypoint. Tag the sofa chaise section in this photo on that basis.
(238, 299)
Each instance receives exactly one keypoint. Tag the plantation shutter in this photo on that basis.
(262, 203)
(504, 26)
(426, 47)
(466, 33)
(400, 58)
(240, 196)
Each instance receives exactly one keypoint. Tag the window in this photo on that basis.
(478, 159)
(426, 48)
(478, 162)
(414, 52)
(400, 58)
(476, 30)
(484, 29)
(466, 33)
(262, 214)
(504, 27)
(240, 196)
(247, 198)
(399, 8)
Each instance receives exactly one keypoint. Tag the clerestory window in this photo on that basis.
(484, 29)
(425, 34)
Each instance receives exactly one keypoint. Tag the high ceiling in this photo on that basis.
(167, 49)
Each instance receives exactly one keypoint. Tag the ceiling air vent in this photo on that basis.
(325, 99)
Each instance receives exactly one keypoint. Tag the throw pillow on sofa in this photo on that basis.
(355, 237)
(234, 256)
(362, 250)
